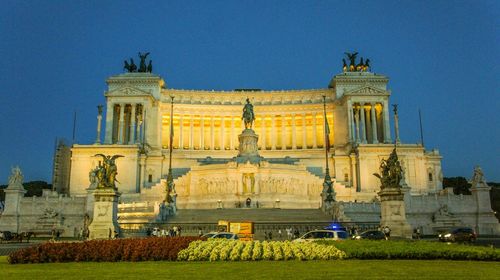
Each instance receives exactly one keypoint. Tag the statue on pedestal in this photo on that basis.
(16, 177)
(248, 115)
(391, 172)
(105, 174)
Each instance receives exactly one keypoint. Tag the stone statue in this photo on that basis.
(352, 60)
(106, 174)
(478, 176)
(130, 67)
(99, 110)
(390, 172)
(142, 64)
(150, 67)
(366, 66)
(16, 177)
(360, 65)
(248, 115)
(344, 65)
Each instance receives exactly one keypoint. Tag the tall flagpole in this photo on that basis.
(328, 192)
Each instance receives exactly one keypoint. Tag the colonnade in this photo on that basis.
(369, 122)
(285, 131)
(124, 123)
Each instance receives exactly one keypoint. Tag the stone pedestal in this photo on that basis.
(105, 216)
(248, 144)
(9, 220)
(393, 212)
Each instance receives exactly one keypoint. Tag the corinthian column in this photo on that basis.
(273, 132)
(294, 133)
(181, 138)
(363, 124)
(108, 137)
(283, 132)
(132, 125)
(374, 124)
(191, 132)
(202, 133)
(304, 131)
(387, 128)
(263, 132)
(99, 120)
(122, 123)
(315, 131)
(233, 136)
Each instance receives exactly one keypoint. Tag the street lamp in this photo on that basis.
(170, 178)
(328, 192)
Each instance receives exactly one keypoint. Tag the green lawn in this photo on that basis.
(345, 269)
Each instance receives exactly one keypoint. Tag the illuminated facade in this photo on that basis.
(290, 126)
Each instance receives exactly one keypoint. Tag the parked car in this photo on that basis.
(461, 234)
(324, 234)
(226, 235)
(371, 235)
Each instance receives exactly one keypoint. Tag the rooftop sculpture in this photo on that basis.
(362, 66)
(143, 68)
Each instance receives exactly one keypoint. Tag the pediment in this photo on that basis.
(366, 90)
(127, 91)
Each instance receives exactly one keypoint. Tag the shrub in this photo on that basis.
(137, 249)
(423, 250)
(224, 250)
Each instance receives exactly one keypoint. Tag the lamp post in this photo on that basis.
(170, 178)
(328, 192)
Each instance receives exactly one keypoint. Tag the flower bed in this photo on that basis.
(229, 250)
(137, 249)
(421, 250)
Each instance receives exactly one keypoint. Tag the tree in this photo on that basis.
(33, 188)
(460, 185)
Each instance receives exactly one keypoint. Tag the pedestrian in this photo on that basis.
(265, 235)
(109, 233)
(387, 232)
(279, 233)
(200, 232)
(115, 236)
(58, 234)
(270, 235)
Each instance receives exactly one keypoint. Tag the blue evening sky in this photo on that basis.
(441, 56)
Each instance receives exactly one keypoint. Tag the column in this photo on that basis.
(374, 124)
(363, 124)
(202, 131)
(233, 134)
(132, 125)
(122, 122)
(212, 134)
(354, 173)
(108, 137)
(283, 132)
(304, 131)
(139, 123)
(387, 128)
(273, 132)
(191, 132)
(181, 138)
(222, 133)
(294, 133)
(99, 120)
(263, 132)
(349, 120)
(315, 132)
(356, 118)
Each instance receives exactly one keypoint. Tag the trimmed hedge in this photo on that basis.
(137, 249)
(231, 250)
(416, 250)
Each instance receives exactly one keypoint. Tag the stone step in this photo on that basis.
(254, 215)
